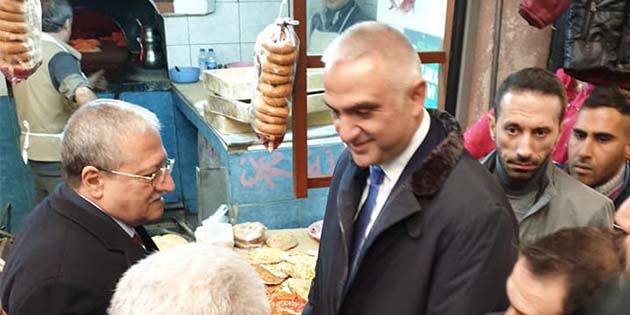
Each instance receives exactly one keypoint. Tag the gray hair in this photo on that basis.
(190, 279)
(93, 133)
(376, 39)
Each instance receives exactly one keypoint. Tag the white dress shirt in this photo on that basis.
(394, 168)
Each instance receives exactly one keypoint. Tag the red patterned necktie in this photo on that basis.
(136, 239)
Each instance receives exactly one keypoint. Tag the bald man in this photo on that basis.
(413, 224)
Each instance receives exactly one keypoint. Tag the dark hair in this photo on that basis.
(54, 15)
(534, 80)
(588, 257)
(609, 96)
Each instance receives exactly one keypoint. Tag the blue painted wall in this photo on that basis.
(16, 184)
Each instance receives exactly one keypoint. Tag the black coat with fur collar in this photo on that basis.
(443, 244)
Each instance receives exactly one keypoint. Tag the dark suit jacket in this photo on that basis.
(67, 258)
(444, 243)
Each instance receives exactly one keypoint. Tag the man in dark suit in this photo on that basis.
(430, 231)
(75, 245)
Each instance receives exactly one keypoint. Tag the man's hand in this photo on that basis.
(97, 80)
(622, 216)
(83, 95)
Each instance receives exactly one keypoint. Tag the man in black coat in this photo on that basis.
(430, 232)
(75, 245)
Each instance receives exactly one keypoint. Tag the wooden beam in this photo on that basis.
(300, 150)
(319, 181)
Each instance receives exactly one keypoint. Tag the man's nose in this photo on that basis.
(585, 149)
(524, 148)
(347, 129)
(168, 185)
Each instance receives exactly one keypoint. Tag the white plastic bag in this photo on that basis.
(215, 230)
(20, 38)
(275, 59)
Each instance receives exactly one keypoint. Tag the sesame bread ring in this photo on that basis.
(264, 108)
(270, 129)
(13, 6)
(276, 69)
(269, 90)
(13, 27)
(281, 59)
(275, 101)
(11, 48)
(269, 119)
(275, 79)
(11, 17)
(282, 47)
(8, 36)
(18, 58)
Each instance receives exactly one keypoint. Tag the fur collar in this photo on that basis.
(429, 177)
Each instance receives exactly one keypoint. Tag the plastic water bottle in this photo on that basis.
(211, 62)
(202, 59)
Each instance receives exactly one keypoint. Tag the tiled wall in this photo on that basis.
(231, 30)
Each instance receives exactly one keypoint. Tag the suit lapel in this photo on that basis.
(69, 204)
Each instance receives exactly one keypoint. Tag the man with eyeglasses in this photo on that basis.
(75, 245)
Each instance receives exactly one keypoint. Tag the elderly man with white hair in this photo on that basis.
(75, 245)
(191, 279)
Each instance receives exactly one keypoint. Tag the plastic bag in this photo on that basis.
(20, 38)
(215, 230)
(275, 59)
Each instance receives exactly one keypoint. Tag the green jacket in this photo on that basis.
(564, 203)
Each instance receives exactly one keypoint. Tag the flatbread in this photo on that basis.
(268, 277)
(167, 241)
(265, 255)
(279, 270)
(283, 303)
(282, 240)
(300, 287)
(249, 234)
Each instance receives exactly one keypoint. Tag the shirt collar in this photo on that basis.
(394, 167)
(128, 229)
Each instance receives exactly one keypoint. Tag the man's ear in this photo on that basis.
(492, 124)
(92, 182)
(417, 96)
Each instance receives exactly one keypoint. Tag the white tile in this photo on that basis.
(255, 16)
(247, 51)
(176, 30)
(178, 55)
(224, 53)
(218, 27)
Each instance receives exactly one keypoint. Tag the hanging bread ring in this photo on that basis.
(281, 59)
(269, 90)
(13, 27)
(12, 48)
(275, 79)
(12, 17)
(276, 69)
(270, 129)
(270, 119)
(13, 6)
(281, 47)
(275, 101)
(261, 106)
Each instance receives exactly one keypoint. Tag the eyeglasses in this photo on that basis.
(156, 178)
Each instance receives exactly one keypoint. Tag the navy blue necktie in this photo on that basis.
(363, 220)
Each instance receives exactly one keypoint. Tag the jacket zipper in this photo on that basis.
(589, 18)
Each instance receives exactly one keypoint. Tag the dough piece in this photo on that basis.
(270, 120)
(12, 17)
(281, 59)
(13, 6)
(301, 287)
(276, 69)
(276, 91)
(249, 234)
(279, 47)
(284, 241)
(270, 129)
(13, 27)
(275, 79)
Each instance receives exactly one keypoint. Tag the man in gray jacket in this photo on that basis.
(525, 126)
